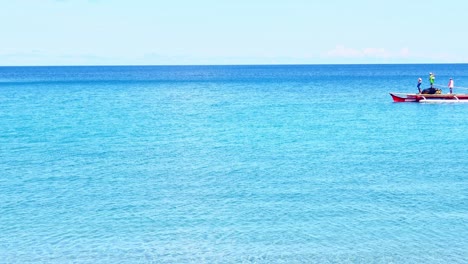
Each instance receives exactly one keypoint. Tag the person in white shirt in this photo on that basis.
(450, 85)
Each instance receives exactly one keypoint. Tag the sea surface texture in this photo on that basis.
(231, 164)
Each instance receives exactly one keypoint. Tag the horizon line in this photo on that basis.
(247, 64)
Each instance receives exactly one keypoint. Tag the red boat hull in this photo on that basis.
(400, 98)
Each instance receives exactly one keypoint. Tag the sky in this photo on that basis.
(211, 32)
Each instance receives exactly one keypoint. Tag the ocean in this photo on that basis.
(231, 164)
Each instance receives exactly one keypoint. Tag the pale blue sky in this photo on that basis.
(152, 32)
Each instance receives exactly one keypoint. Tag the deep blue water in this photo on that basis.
(229, 164)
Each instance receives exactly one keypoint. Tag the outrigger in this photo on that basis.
(429, 98)
(430, 95)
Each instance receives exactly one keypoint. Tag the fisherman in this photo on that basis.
(450, 85)
(431, 79)
(419, 84)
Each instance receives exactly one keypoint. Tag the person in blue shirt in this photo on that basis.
(419, 84)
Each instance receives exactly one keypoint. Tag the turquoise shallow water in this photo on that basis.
(228, 164)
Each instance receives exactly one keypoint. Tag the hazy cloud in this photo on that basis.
(341, 51)
(386, 55)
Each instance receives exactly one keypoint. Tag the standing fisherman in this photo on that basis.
(419, 84)
(431, 79)
(450, 85)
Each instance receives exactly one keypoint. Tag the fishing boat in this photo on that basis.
(429, 98)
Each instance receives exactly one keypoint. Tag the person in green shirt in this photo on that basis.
(431, 79)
